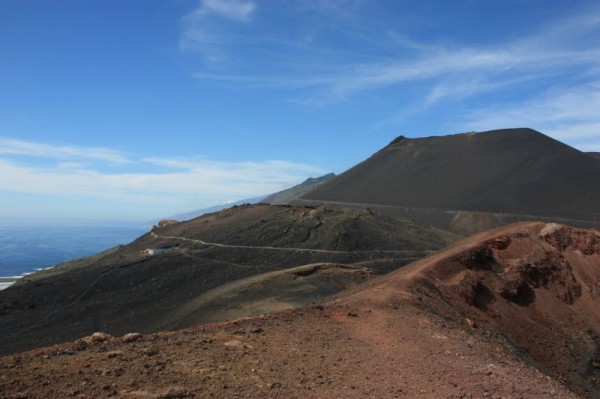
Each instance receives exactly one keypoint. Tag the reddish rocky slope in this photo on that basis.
(512, 312)
(536, 284)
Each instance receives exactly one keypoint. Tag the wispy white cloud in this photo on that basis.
(502, 66)
(233, 9)
(569, 115)
(333, 73)
(20, 147)
(198, 181)
(202, 33)
(558, 62)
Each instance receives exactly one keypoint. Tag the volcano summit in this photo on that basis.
(509, 171)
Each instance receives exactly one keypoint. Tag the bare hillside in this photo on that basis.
(161, 281)
(511, 171)
(511, 312)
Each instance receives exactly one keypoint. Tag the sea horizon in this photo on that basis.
(28, 245)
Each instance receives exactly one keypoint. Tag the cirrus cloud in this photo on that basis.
(170, 184)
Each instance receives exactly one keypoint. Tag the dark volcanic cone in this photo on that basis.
(514, 171)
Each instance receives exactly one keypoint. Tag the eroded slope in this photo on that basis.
(130, 289)
(536, 284)
(506, 313)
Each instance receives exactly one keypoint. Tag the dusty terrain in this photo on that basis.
(512, 312)
(511, 171)
(129, 289)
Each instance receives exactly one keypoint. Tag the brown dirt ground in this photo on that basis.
(337, 351)
(393, 337)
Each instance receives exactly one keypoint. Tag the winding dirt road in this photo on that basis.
(214, 244)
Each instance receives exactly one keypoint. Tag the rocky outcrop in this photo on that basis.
(538, 285)
(164, 223)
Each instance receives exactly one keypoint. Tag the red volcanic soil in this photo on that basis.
(512, 312)
(537, 284)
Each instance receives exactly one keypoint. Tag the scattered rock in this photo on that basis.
(175, 392)
(131, 337)
(137, 395)
(471, 323)
(525, 232)
(352, 314)
(164, 223)
(84, 343)
(500, 243)
(549, 229)
(233, 344)
(113, 354)
(150, 351)
(100, 337)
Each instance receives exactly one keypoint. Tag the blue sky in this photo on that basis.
(143, 109)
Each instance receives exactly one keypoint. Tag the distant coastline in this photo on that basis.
(5, 282)
(27, 247)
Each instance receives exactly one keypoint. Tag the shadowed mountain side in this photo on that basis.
(463, 223)
(595, 155)
(132, 290)
(66, 266)
(269, 292)
(322, 228)
(512, 171)
(285, 197)
(511, 312)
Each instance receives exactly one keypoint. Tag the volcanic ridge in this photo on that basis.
(511, 312)
(510, 171)
(169, 277)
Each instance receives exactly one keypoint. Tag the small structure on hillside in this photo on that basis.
(156, 251)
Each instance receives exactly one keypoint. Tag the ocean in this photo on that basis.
(27, 246)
